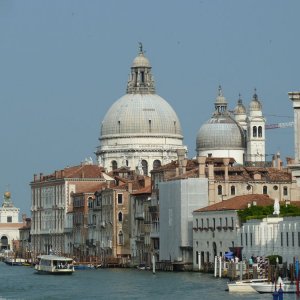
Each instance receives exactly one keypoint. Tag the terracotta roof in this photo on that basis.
(239, 202)
(144, 190)
(83, 171)
(90, 188)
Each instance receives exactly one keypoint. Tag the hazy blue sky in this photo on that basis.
(63, 63)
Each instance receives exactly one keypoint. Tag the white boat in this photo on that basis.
(244, 286)
(269, 287)
(53, 264)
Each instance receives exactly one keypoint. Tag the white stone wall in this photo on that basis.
(178, 199)
(213, 233)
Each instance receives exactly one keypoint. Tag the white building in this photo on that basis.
(215, 226)
(234, 134)
(9, 223)
(271, 236)
(140, 130)
(178, 199)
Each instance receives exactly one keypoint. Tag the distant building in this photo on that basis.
(140, 130)
(50, 202)
(234, 134)
(9, 223)
(215, 227)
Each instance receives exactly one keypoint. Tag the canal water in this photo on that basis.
(23, 283)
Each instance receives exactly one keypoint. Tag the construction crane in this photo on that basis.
(279, 125)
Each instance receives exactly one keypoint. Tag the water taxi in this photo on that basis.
(53, 264)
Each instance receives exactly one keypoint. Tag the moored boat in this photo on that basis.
(53, 264)
(270, 287)
(244, 286)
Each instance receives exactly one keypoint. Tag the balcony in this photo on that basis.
(139, 215)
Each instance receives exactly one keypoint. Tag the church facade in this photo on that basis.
(141, 130)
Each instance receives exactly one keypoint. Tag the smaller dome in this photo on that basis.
(220, 132)
(255, 103)
(240, 108)
(141, 61)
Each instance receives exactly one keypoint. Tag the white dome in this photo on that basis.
(141, 114)
(220, 132)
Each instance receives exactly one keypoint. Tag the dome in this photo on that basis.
(141, 114)
(255, 103)
(141, 62)
(240, 108)
(220, 132)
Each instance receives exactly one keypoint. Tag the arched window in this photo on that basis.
(156, 164)
(145, 167)
(114, 165)
(120, 238)
(254, 131)
(285, 191)
(120, 217)
(232, 190)
(259, 131)
(265, 190)
(4, 242)
(219, 190)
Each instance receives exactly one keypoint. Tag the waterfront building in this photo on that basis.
(234, 134)
(140, 130)
(80, 242)
(215, 227)
(140, 241)
(178, 199)
(9, 224)
(51, 200)
(116, 215)
(271, 236)
(25, 238)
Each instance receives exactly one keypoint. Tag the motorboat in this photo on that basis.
(53, 264)
(14, 261)
(244, 286)
(270, 287)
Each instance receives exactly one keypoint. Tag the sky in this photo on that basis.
(64, 63)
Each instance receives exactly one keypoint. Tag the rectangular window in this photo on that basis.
(120, 198)
(298, 239)
(246, 239)
(241, 239)
(251, 239)
(287, 239)
(281, 239)
(293, 239)
(9, 219)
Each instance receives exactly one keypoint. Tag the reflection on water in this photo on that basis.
(22, 283)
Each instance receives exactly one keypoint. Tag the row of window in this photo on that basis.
(144, 165)
(264, 190)
(257, 131)
(222, 222)
(290, 237)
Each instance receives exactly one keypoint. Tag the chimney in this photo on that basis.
(62, 173)
(55, 174)
(24, 219)
(130, 187)
(211, 171)
(201, 167)
(181, 155)
(278, 161)
(184, 164)
(34, 177)
(226, 163)
(41, 176)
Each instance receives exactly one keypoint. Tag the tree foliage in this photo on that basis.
(259, 212)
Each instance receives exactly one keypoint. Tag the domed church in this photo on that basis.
(141, 130)
(234, 133)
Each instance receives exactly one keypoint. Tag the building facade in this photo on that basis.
(140, 130)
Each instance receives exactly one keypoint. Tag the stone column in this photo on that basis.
(295, 97)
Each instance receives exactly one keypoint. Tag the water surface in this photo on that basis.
(23, 283)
